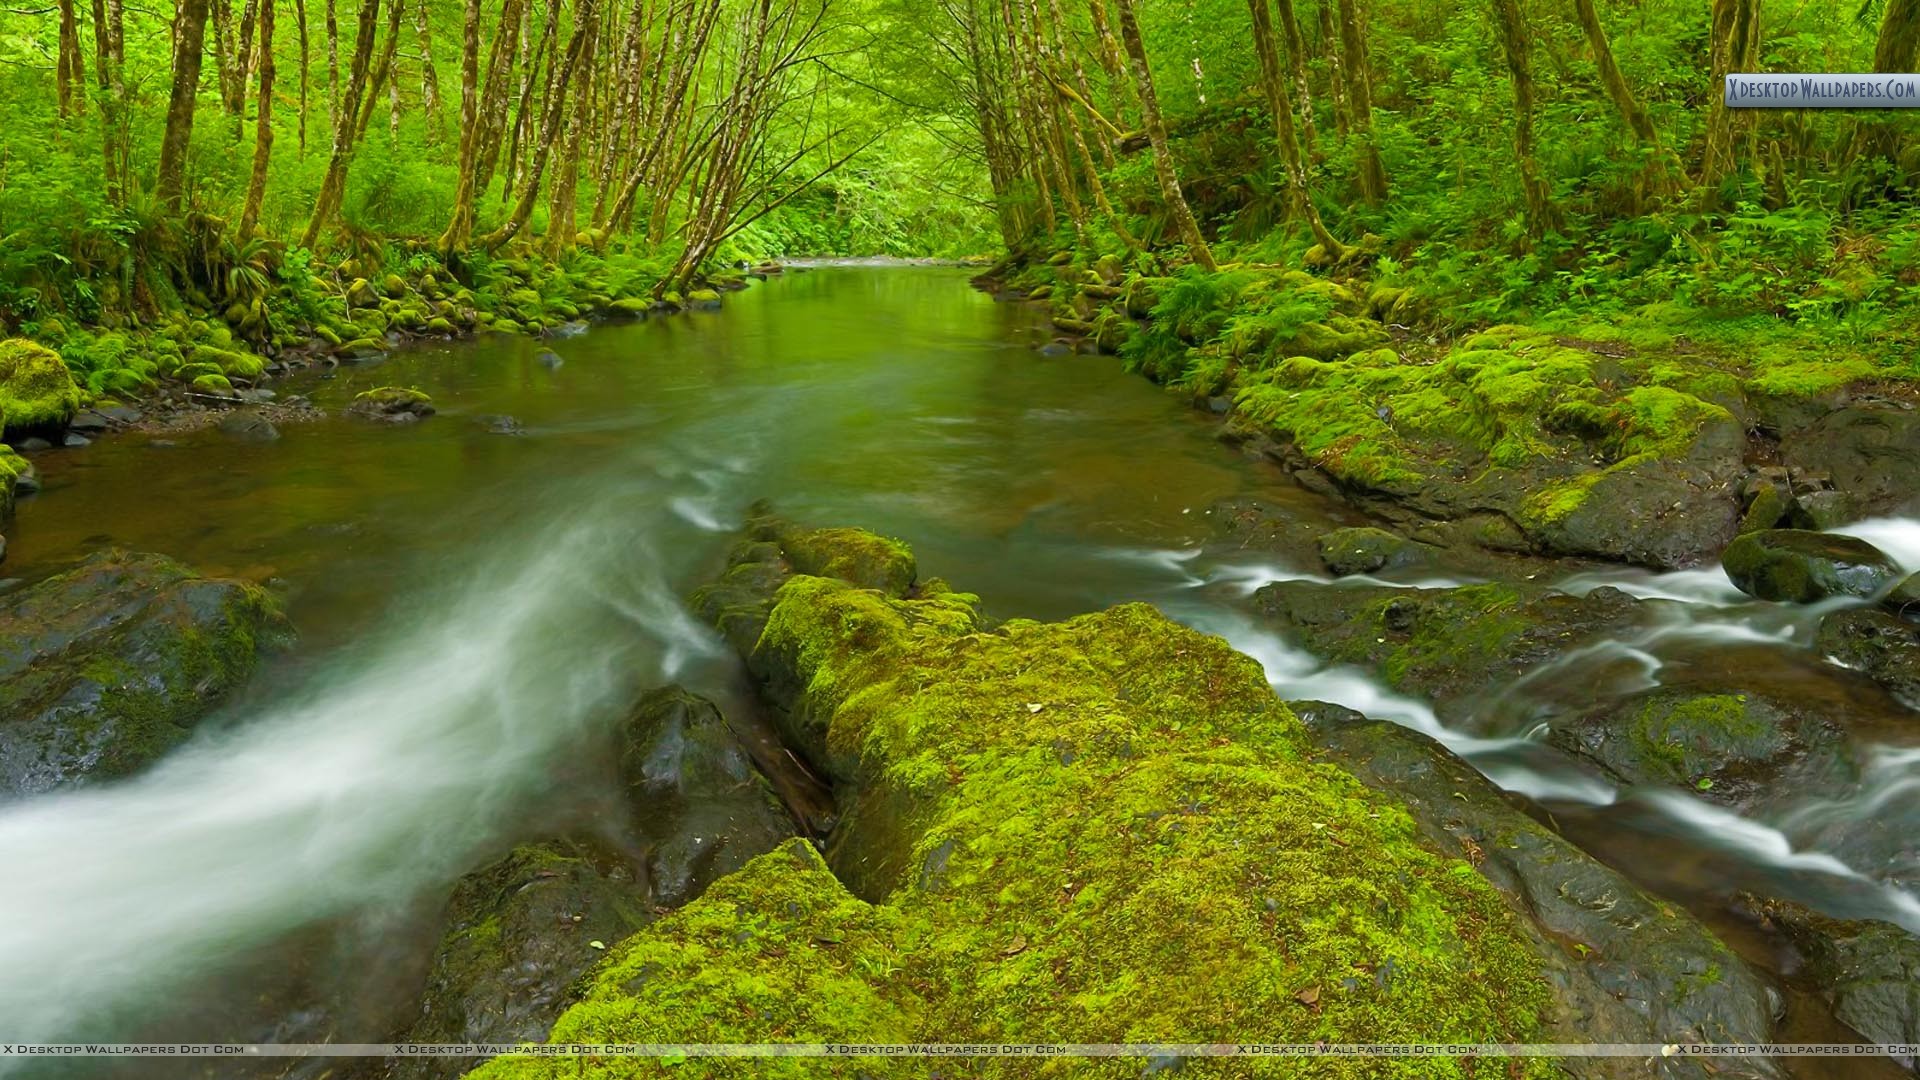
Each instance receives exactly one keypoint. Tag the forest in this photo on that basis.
(1166, 526)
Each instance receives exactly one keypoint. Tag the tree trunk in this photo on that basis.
(1732, 47)
(1659, 174)
(334, 186)
(502, 58)
(460, 228)
(70, 73)
(1893, 51)
(243, 63)
(1157, 135)
(263, 126)
(1274, 81)
(225, 69)
(549, 129)
(109, 40)
(169, 184)
(333, 65)
(383, 71)
(1297, 70)
(300, 18)
(429, 77)
(561, 228)
(1336, 71)
(1373, 175)
(1514, 45)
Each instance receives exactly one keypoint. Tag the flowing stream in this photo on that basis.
(478, 610)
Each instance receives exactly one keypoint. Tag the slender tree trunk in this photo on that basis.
(1733, 45)
(383, 71)
(529, 84)
(263, 126)
(1274, 81)
(300, 19)
(561, 228)
(460, 228)
(429, 77)
(1297, 70)
(189, 42)
(333, 65)
(1373, 174)
(70, 71)
(1660, 167)
(333, 187)
(495, 97)
(243, 63)
(1893, 51)
(556, 107)
(1514, 45)
(109, 39)
(1163, 167)
(1336, 71)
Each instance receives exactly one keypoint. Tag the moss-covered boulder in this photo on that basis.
(1803, 567)
(105, 667)
(703, 299)
(1105, 829)
(1447, 645)
(391, 405)
(1365, 550)
(1868, 971)
(1624, 967)
(12, 468)
(37, 392)
(1728, 743)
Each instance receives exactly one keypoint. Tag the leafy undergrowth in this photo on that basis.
(1100, 830)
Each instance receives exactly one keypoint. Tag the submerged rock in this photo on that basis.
(549, 359)
(391, 404)
(1798, 566)
(107, 666)
(248, 425)
(1623, 966)
(1868, 971)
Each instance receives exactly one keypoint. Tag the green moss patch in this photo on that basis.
(36, 389)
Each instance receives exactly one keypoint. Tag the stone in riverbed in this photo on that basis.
(105, 667)
(1365, 550)
(246, 425)
(392, 405)
(37, 392)
(1885, 648)
(1798, 566)
(1867, 970)
(1870, 454)
(1904, 600)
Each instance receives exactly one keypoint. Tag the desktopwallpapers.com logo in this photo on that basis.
(1823, 91)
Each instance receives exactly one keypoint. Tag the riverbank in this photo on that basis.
(1635, 440)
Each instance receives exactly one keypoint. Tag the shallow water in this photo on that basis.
(477, 608)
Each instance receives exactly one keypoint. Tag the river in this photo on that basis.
(478, 608)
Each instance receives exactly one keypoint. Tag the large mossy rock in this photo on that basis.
(105, 667)
(1884, 648)
(1798, 566)
(1732, 744)
(37, 392)
(1623, 967)
(1104, 829)
(1867, 970)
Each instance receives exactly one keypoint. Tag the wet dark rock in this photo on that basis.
(88, 422)
(1867, 970)
(27, 482)
(524, 929)
(1622, 966)
(520, 931)
(1057, 348)
(73, 440)
(1904, 600)
(703, 806)
(1445, 644)
(1822, 510)
(247, 425)
(1798, 566)
(392, 405)
(549, 360)
(105, 667)
(121, 414)
(1731, 744)
(1366, 550)
(1870, 454)
(257, 395)
(29, 445)
(1883, 647)
(1768, 501)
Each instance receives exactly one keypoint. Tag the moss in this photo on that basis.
(231, 363)
(853, 555)
(1106, 829)
(216, 385)
(36, 389)
(1796, 378)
